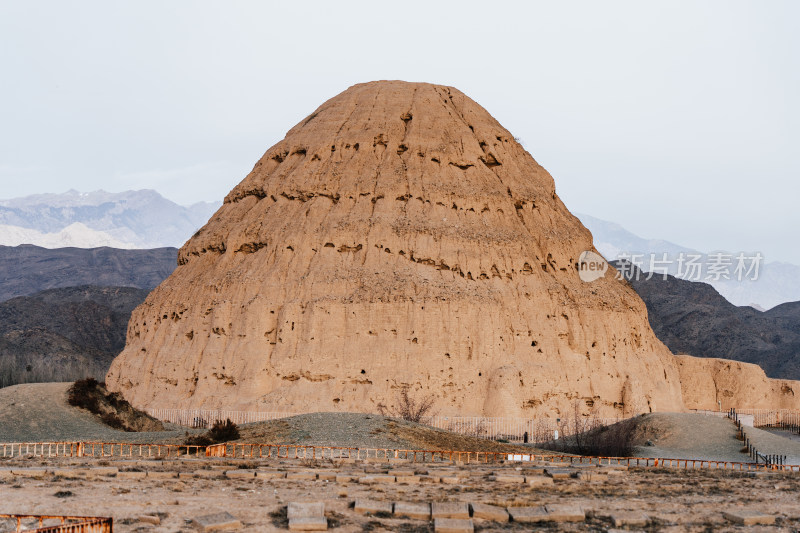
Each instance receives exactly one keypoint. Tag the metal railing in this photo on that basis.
(321, 453)
(69, 524)
(11, 450)
(752, 451)
(779, 418)
(205, 418)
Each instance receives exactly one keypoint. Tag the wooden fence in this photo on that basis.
(65, 524)
(305, 453)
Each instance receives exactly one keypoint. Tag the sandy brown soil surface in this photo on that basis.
(39, 412)
(697, 436)
(690, 436)
(256, 492)
(366, 431)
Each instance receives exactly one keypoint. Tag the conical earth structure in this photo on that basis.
(397, 237)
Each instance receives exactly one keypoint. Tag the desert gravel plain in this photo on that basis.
(174, 492)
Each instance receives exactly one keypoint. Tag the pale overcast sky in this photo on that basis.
(679, 120)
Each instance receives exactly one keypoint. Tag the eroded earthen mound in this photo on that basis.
(710, 383)
(398, 236)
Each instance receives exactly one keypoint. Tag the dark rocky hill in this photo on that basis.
(26, 269)
(64, 334)
(693, 318)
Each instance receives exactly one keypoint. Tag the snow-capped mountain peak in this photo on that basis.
(130, 219)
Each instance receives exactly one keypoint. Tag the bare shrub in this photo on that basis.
(111, 407)
(224, 431)
(219, 433)
(587, 435)
(112, 420)
(407, 407)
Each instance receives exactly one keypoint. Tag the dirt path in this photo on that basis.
(775, 443)
(696, 436)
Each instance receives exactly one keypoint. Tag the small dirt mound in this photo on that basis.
(112, 409)
(358, 430)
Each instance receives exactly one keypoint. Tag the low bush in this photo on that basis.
(112, 409)
(83, 394)
(407, 407)
(224, 431)
(615, 440)
(220, 432)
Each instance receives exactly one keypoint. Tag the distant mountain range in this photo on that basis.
(64, 312)
(777, 282)
(131, 219)
(693, 318)
(25, 270)
(64, 334)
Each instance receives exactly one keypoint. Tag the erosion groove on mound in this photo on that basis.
(398, 236)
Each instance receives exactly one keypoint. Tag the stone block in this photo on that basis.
(270, 474)
(507, 478)
(30, 472)
(629, 518)
(538, 481)
(400, 473)
(747, 517)
(372, 507)
(369, 480)
(70, 472)
(103, 471)
(150, 519)
(408, 479)
(453, 525)
(533, 471)
(527, 515)
(216, 522)
(565, 513)
(449, 510)
(240, 474)
(308, 523)
(559, 473)
(301, 509)
(420, 511)
(301, 476)
(161, 475)
(488, 512)
(548, 513)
